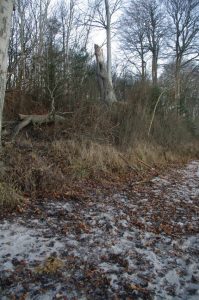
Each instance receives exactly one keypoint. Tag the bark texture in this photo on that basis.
(107, 94)
(36, 119)
(6, 8)
(108, 34)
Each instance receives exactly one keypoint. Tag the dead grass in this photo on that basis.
(95, 140)
(46, 167)
(50, 266)
(32, 170)
(153, 154)
(85, 157)
(50, 167)
(9, 196)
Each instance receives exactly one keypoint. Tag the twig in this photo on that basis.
(130, 166)
(140, 182)
(64, 113)
(145, 164)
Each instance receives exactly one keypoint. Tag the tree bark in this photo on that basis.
(107, 94)
(177, 80)
(36, 119)
(22, 63)
(154, 69)
(108, 34)
(6, 8)
(184, 37)
(143, 63)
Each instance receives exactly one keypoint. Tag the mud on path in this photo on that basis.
(142, 243)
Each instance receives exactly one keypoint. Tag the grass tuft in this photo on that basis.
(50, 266)
(9, 196)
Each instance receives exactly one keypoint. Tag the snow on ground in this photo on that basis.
(141, 244)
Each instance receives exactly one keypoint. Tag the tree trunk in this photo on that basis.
(108, 34)
(143, 64)
(154, 69)
(107, 94)
(22, 63)
(177, 87)
(177, 80)
(6, 8)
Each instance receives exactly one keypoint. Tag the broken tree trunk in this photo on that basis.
(36, 119)
(107, 93)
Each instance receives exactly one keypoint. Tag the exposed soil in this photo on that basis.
(138, 243)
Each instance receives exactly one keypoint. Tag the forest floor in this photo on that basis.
(140, 242)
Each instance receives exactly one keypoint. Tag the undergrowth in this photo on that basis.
(10, 197)
(93, 140)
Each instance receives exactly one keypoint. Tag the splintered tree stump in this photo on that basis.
(107, 93)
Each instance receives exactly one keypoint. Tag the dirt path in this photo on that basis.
(139, 244)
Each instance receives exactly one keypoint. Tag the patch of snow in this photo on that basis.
(168, 267)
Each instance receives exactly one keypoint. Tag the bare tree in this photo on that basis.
(105, 21)
(142, 32)
(6, 8)
(108, 34)
(184, 18)
(25, 36)
(27, 44)
(40, 10)
(67, 24)
(133, 37)
(155, 28)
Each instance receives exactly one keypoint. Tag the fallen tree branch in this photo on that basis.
(36, 119)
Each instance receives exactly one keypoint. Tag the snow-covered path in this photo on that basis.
(139, 244)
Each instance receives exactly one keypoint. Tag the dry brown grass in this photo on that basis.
(153, 154)
(9, 196)
(50, 167)
(31, 170)
(95, 140)
(84, 157)
(50, 266)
